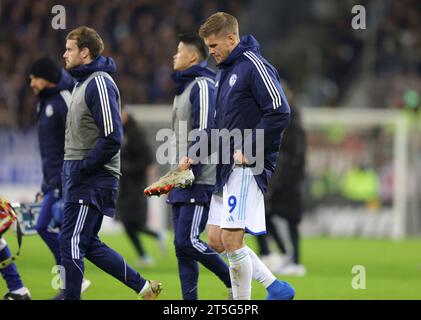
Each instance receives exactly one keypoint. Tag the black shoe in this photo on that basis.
(59, 296)
(14, 296)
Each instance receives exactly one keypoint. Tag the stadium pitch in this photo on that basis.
(392, 270)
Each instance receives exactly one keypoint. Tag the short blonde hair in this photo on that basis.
(87, 38)
(218, 23)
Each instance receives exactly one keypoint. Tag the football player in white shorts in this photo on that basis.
(248, 98)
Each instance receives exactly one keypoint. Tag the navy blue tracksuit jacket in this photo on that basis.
(249, 96)
(89, 187)
(51, 122)
(197, 193)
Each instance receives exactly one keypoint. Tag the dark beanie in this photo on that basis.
(47, 69)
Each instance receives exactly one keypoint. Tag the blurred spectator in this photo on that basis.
(361, 185)
(136, 161)
(284, 198)
(139, 34)
(398, 40)
(6, 117)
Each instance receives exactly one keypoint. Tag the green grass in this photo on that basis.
(393, 270)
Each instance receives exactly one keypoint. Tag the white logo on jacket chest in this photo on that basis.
(233, 79)
(49, 110)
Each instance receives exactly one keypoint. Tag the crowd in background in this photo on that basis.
(141, 37)
(311, 42)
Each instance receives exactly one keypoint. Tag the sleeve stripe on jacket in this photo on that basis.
(270, 86)
(204, 104)
(105, 105)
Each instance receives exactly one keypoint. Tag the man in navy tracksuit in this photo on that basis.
(53, 88)
(91, 167)
(248, 97)
(193, 109)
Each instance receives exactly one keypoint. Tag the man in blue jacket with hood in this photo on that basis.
(91, 167)
(250, 105)
(53, 86)
(193, 109)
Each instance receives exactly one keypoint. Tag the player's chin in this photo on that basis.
(68, 65)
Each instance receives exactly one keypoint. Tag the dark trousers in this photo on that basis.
(79, 239)
(133, 232)
(293, 234)
(189, 222)
(44, 219)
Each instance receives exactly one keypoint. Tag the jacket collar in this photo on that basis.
(101, 63)
(247, 43)
(183, 78)
(65, 83)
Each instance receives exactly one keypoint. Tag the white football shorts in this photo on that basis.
(241, 205)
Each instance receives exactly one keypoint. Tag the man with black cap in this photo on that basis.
(53, 87)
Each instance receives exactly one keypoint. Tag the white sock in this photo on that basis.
(261, 273)
(21, 291)
(3, 244)
(241, 270)
(230, 294)
(145, 287)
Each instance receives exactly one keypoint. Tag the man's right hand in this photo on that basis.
(185, 163)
